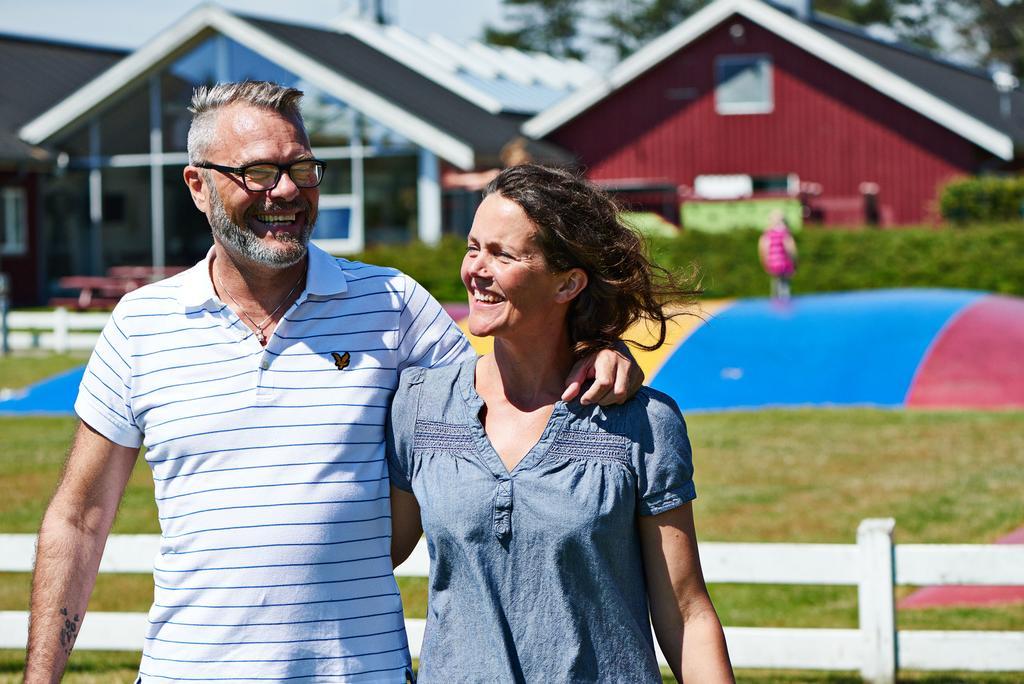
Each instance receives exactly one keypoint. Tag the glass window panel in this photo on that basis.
(175, 95)
(199, 66)
(127, 234)
(186, 230)
(337, 177)
(196, 68)
(743, 84)
(216, 59)
(389, 202)
(377, 135)
(65, 219)
(329, 122)
(14, 231)
(771, 183)
(124, 127)
(333, 224)
(222, 59)
(459, 208)
(244, 64)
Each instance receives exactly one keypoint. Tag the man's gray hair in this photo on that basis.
(207, 101)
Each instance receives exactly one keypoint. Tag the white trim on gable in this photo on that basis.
(794, 31)
(201, 23)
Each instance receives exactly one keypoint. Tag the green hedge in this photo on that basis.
(984, 199)
(983, 258)
(435, 268)
(831, 260)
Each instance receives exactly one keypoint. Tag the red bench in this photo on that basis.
(104, 292)
(144, 274)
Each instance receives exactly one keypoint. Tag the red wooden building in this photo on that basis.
(36, 74)
(748, 95)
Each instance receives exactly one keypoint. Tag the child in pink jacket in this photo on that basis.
(777, 250)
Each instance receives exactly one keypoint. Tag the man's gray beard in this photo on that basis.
(244, 243)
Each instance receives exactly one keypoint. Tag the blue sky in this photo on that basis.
(129, 23)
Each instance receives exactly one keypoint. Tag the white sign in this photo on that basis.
(724, 187)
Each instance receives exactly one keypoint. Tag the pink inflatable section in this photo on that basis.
(977, 361)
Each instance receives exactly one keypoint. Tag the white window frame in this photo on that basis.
(764, 106)
(354, 242)
(14, 241)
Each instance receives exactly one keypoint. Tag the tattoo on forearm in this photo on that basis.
(68, 631)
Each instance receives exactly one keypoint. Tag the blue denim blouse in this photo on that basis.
(536, 574)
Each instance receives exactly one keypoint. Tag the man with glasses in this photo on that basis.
(258, 381)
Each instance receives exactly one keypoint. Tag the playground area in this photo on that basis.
(806, 418)
(901, 348)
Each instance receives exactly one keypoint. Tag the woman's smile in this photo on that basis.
(486, 297)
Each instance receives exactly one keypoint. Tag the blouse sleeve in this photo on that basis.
(400, 428)
(665, 462)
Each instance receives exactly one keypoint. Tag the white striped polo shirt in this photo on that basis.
(269, 469)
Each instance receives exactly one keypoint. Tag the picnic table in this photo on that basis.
(104, 292)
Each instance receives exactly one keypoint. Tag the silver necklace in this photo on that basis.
(260, 335)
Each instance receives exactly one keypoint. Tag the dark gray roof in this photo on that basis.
(484, 132)
(969, 90)
(36, 74)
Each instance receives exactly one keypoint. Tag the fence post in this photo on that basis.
(61, 336)
(5, 347)
(4, 307)
(876, 600)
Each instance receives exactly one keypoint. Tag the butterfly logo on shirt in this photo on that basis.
(341, 360)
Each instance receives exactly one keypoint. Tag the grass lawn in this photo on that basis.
(120, 667)
(794, 476)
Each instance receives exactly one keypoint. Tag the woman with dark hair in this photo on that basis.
(557, 532)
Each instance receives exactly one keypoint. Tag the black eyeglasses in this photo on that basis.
(263, 176)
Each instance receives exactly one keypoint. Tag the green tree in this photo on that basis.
(994, 31)
(864, 12)
(630, 24)
(986, 32)
(550, 26)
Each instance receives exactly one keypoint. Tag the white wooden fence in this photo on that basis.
(59, 330)
(874, 564)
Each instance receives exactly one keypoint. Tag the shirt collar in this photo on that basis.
(324, 278)
(197, 288)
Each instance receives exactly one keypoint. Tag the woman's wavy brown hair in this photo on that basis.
(579, 226)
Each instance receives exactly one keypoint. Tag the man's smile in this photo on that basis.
(275, 218)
